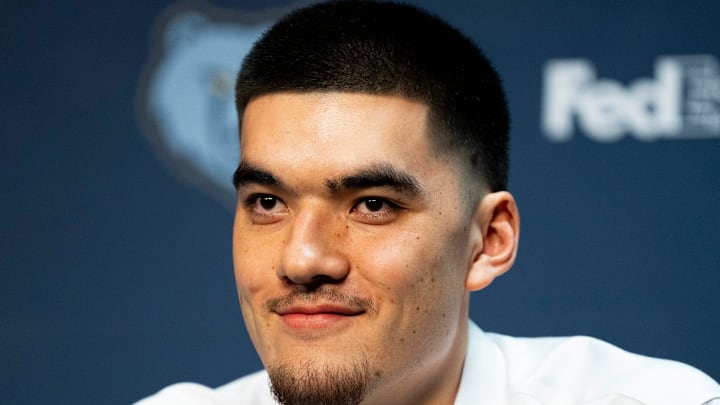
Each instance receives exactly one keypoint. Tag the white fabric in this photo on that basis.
(504, 370)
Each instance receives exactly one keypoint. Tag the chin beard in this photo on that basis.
(312, 383)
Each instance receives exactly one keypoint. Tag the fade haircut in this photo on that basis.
(390, 49)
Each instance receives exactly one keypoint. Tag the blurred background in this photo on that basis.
(118, 141)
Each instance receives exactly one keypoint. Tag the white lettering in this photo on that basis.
(566, 79)
(682, 100)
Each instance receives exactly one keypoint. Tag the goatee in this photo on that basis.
(311, 383)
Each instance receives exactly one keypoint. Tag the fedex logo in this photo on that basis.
(681, 101)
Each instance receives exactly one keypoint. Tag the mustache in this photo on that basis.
(324, 295)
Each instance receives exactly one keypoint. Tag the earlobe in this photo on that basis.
(495, 236)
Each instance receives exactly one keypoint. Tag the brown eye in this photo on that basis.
(376, 210)
(265, 209)
(374, 204)
(267, 202)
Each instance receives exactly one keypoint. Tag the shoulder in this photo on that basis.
(251, 389)
(583, 369)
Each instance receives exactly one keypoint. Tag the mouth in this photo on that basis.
(316, 317)
(324, 312)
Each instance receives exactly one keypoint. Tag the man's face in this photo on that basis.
(351, 242)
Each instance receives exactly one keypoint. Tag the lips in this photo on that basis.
(321, 312)
(318, 309)
(316, 317)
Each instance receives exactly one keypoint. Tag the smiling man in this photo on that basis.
(353, 252)
(371, 201)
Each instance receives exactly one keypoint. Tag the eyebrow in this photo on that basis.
(249, 174)
(379, 175)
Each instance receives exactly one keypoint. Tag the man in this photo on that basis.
(371, 202)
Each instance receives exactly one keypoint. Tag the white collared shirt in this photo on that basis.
(505, 370)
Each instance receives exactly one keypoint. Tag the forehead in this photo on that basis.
(335, 130)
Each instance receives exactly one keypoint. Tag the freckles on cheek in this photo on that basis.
(387, 266)
(395, 274)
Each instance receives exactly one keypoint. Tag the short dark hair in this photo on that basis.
(390, 49)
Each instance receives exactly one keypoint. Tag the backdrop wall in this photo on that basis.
(118, 143)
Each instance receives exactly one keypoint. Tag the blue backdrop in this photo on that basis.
(116, 272)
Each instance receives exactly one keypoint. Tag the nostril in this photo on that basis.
(312, 284)
(324, 269)
(325, 279)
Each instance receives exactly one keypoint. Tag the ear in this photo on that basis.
(495, 237)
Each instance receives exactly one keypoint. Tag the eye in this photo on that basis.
(267, 202)
(374, 204)
(265, 208)
(375, 210)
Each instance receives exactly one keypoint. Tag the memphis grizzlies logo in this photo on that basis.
(185, 101)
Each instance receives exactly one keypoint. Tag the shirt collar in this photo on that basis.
(484, 378)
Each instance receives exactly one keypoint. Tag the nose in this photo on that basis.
(314, 253)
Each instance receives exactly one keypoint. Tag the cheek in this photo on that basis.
(413, 271)
(256, 249)
(251, 277)
(252, 272)
(419, 288)
(253, 267)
